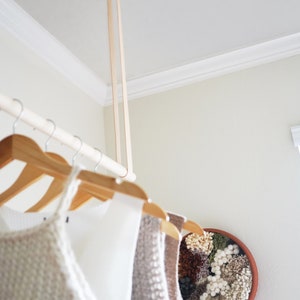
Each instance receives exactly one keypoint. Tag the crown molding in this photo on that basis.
(20, 24)
(213, 67)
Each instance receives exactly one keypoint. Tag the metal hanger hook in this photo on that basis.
(100, 160)
(51, 135)
(19, 116)
(78, 151)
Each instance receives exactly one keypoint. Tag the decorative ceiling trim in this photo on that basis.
(19, 23)
(213, 67)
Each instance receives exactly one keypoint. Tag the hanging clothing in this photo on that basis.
(38, 262)
(149, 278)
(79, 223)
(109, 256)
(103, 239)
(171, 259)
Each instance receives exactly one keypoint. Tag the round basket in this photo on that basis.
(250, 257)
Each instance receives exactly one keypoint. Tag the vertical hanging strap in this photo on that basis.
(113, 73)
(124, 93)
(115, 88)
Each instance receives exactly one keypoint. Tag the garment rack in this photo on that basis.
(13, 108)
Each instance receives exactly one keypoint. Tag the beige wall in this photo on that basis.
(44, 91)
(220, 153)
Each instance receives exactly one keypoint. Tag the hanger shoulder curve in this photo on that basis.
(28, 176)
(54, 190)
(5, 152)
(170, 229)
(193, 227)
(25, 149)
(154, 210)
(166, 226)
(109, 185)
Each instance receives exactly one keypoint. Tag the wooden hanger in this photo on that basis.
(29, 175)
(55, 189)
(170, 229)
(22, 148)
(193, 227)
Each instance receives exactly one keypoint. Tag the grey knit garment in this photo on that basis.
(171, 259)
(149, 279)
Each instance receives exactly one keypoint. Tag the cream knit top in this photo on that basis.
(38, 263)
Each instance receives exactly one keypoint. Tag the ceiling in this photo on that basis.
(160, 35)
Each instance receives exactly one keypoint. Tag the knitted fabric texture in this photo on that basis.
(171, 259)
(149, 280)
(38, 263)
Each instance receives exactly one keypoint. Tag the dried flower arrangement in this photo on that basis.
(214, 267)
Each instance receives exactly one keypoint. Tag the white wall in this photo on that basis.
(220, 152)
(46, 92)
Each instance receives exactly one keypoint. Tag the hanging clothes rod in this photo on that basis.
(13, 108)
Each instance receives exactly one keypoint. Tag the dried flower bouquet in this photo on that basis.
(214, 267)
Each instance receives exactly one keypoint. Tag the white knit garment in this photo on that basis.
(149, 279)
(38, 263)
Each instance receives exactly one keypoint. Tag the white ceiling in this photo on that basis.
(168, 43)
(162, 34)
